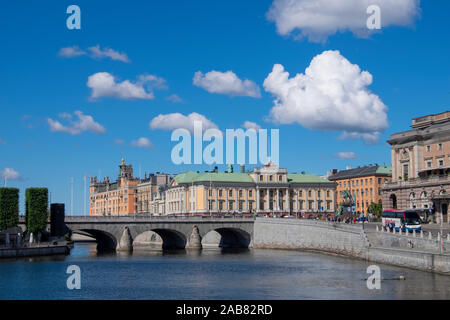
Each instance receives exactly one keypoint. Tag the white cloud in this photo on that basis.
(103, 84)
(251, 125)
(331, 95)
(318, 19)
(70, 52)
(10, 174)
(174, 98)
(174, 121)
(226, 83)
(142, 143)
(99, 53)
(346, 155)
(84, 123)
(2, 141)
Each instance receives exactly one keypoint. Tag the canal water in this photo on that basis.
(211, 274)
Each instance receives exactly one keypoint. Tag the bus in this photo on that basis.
(401, 220)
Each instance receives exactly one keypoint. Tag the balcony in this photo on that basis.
(427, 180)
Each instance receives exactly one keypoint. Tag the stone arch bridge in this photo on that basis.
(141, 232)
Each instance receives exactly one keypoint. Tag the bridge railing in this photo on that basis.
(159, 218)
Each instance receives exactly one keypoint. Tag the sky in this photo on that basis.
(75, 101)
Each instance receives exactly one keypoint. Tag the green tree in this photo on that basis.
(376, 209)
(9, 208)
(36, 204)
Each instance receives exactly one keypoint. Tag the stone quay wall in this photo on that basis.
(352, 241)
(311, 235)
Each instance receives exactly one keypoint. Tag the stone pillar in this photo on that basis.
(227, 207)
(268, 199)
(246, 200)
(217, 201)
(257, 200)
(315, 199)
(236, 198)
(421, 233)
(126, 242)
(297, 207)
(195, 240)
(288, 202)
(277, 208)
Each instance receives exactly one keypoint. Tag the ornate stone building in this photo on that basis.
(128, 195)
(114, 198)
(420, 166)
(264, 190)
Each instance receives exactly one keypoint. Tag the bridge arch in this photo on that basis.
(226, 237)
(105, 240)
(159, 239)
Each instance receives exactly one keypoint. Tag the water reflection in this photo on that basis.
(211, 274)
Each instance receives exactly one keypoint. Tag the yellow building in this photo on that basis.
(264, 190)
(364, 183)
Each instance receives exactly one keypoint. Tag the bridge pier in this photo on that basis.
(126, 241)
(195, 240)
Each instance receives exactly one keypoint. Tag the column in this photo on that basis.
(333, 207)
(236, 198)
(306, 199)
(288, 202)
(297, 208)
(267, 200)
(217, 201)
(315, 199)
(226, 200)
(257, 199)
(324, 200)
(246, 200)
(277, 208)
(206, 200)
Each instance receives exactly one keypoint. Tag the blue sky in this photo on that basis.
(408, 62)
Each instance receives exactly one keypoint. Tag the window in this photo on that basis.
(379, 180)
(230, 193)
(280, 178)
(440, 146)
(270, 178)
(210, 192)
(429, 164)
(357, 182)
(428, 148)
(220, 192)
(300, 193)
(328, 194)
(318, 193)
(441, 163)
(240, 193)
(260, 177)
(250, 193)
(309, 193)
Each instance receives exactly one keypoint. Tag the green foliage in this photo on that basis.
(9, 208)
(36, 203)
(376, 209)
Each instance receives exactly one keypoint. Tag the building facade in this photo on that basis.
(420, 167)
(127, 195)
(116, 198)
(364, 184)
(264, 190)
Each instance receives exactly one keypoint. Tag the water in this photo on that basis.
(248, 274)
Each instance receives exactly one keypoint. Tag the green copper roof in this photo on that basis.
(306, 178)
(186, 177)
(190, 177)
(384, 169)
(224, 177)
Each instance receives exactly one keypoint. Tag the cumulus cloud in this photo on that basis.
(142, 143)
(251, 125)
(10, 174)
(332, 95)
(174, 121)
(226, 83)
(346, 155)
(104, 84)
(82, 124)
(318, 19)
(71, 52)
(174, 98)
(99, 53)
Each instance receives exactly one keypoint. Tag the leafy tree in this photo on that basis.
(9, 208)
(36, 203)
(376, 209)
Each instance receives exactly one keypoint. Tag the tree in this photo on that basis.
(9, 208)
(376, 209)
(36, 204)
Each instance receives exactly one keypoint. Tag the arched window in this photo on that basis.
(393, 200)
